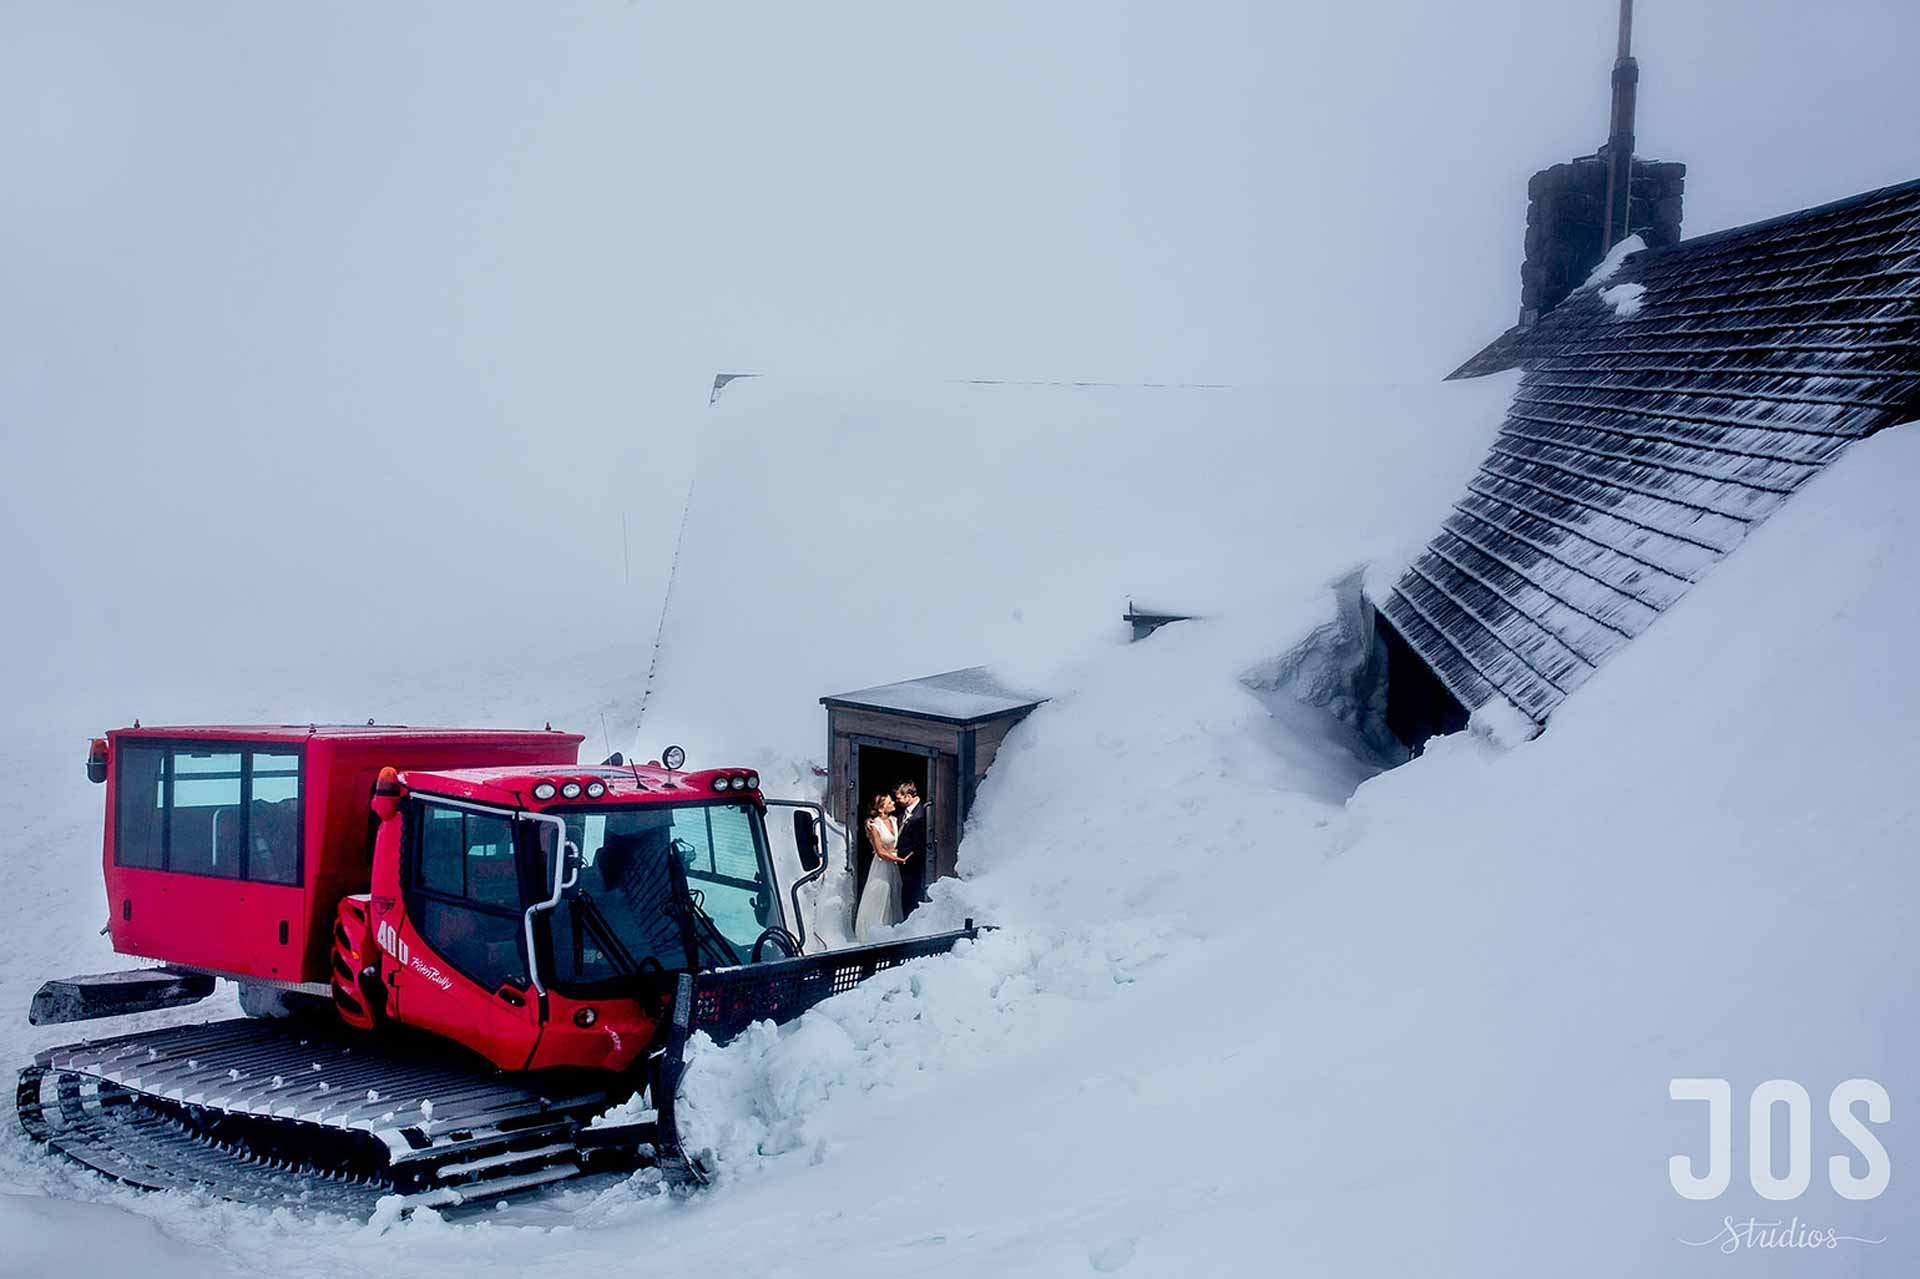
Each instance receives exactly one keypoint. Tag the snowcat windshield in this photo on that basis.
(613, 920)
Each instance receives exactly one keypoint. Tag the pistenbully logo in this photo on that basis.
(394, 944)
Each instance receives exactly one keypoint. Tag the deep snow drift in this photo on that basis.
(842, 536)
(1430, 1032)
(1236, 1020)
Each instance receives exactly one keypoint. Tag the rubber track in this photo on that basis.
(108, 1130)
(188, 1108)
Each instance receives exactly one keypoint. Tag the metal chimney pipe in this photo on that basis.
(1626, 80)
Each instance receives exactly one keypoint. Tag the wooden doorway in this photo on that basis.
(878, 767)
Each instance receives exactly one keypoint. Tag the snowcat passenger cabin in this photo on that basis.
(228, 849)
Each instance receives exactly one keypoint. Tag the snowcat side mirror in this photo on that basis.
(806, 838)
(97, 760)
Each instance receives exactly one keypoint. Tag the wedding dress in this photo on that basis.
(880, 903)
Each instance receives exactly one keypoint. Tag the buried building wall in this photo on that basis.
(1357, 669)
(1340, 669)
(1419, 705)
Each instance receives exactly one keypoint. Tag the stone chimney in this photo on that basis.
(1578, 210)
(1566, 224)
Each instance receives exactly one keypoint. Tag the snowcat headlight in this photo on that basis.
(719, 783)
(753, 781)
(673, 757)
(544, 790)
(596, 789)
(585, 1017)
(737, 782)
(570, 790)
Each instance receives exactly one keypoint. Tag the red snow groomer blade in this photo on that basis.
(310, 1114)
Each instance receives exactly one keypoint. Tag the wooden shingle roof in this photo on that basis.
(1643, 445)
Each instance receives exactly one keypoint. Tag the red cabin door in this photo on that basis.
(464, 969)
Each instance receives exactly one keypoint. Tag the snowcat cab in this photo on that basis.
(538, 915)
(459, 949)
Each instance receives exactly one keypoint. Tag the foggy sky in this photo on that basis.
(344, 338)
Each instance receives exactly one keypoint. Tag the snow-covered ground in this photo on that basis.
(1252, 1007)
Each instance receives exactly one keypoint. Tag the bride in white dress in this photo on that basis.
(880, 904)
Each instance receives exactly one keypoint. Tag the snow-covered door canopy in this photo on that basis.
(940, 731)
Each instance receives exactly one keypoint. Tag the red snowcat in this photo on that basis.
(456, 949)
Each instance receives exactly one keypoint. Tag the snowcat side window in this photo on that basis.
(467, 899)
(273, 817)
(205, 808)
(140, 807)
(492, 875)
(203, 834)
(443, 859)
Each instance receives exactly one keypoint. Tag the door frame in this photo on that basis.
(857, 822)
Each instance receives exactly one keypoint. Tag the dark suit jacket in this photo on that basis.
(913, 846)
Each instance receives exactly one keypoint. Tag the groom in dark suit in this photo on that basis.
(914, 814)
